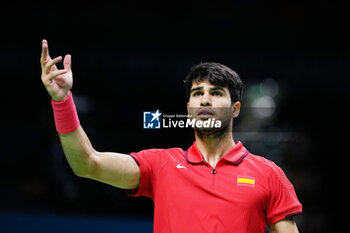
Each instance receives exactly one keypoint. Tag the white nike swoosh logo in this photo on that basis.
(180, 166)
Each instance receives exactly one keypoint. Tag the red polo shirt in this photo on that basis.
(242, 194)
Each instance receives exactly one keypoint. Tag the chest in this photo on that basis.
(227, 188)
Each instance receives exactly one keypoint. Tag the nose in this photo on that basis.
(205, 100)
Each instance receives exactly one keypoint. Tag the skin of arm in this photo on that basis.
(284, 226)
(119, 170)
(116, 169)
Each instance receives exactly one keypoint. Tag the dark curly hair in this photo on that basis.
(217, 74)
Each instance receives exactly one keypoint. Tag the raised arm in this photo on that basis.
(116, 169)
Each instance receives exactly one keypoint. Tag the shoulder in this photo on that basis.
(271, 170)
(158, 158)
(158, 154)
(261, 162)
(160, 151)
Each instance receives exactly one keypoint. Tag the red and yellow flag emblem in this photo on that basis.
(246, 181)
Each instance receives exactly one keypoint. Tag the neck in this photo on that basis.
(214, 148)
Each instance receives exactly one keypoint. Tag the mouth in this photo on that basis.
(205, 113)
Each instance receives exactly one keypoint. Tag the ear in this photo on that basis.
(236, 109)
(188, 110)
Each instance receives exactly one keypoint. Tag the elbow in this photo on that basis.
(79, 172)
(88, 167)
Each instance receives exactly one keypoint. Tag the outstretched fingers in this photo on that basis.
(44, 52)
(67, 62)
(56, 73)
(47, 67)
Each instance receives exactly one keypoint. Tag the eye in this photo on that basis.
(198, 93)
(217, 93)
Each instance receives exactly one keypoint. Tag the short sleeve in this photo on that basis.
(282, 201)
(148, 162)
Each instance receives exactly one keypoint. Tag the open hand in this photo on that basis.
(57, 82)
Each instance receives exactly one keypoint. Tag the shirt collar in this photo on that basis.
(235, 155)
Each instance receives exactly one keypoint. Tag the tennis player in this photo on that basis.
(215, 186)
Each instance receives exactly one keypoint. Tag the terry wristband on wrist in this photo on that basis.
(66, 116)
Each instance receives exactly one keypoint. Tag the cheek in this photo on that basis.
(222, 103)
(193, 103)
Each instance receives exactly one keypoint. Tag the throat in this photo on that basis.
(213, 149)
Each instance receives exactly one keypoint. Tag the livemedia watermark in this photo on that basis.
(198, 118)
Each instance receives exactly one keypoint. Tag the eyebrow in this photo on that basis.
(196, 89)
(216, 88)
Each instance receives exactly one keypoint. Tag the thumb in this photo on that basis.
(67, 62)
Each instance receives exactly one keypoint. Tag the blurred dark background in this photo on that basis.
(129, 57)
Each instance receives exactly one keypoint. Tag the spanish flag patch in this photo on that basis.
(246, 181)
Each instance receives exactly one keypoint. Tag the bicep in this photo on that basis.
(284, 226)
(119, 170)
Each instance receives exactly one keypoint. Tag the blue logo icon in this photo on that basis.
(151, 120)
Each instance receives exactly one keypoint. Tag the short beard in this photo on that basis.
(214, 133)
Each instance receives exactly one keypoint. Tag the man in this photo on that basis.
(214, 186)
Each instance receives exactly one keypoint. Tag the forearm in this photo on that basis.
(79, 152)
(76, 145)
(83, 159)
